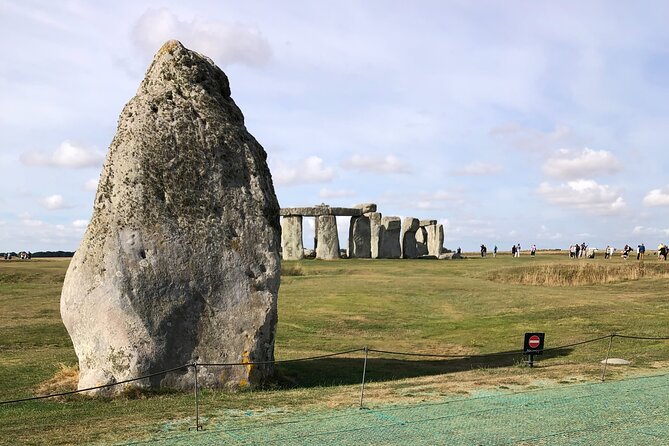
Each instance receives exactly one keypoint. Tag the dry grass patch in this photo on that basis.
(578, 274)
(64, 380)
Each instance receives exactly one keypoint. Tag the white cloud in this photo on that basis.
(382, 164)
(54, 202)
(225, 42)
(306, 171)
(91, 185)
(79, 224)
(27, 220)
(533, 140)
(339, 193)
(479, 169)
(657, 197)
(68, 154)
(585, 195)
(586, 163)
(644, 230)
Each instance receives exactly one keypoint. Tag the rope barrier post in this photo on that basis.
(608, 352)
(198, 426)
(364, 371)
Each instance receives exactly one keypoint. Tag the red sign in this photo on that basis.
(534, 341)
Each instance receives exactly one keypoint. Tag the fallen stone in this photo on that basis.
(180, 262)
(615, 361)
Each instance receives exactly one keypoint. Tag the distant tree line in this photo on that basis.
(44, 254)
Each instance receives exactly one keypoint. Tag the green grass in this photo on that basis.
(473, 306)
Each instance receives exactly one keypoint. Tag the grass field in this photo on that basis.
(473, 306)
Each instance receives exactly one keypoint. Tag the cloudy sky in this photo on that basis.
(509, 121)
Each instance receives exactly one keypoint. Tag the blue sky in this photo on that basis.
(509, 122)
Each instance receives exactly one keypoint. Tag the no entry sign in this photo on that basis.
(534, 344)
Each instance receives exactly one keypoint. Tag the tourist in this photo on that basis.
(662, 252)
(513, 251)
(494, 251)
(578, 250)
(518, 250)
(626, 251)
(642, 251)
(533, 250)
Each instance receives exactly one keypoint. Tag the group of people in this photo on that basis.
(577, 251)
(23, 255)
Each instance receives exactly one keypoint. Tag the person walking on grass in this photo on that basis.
(642, 251)
(494, 251)
(513, 251)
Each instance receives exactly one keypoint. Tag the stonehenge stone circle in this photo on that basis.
(375, 229)
(291, 238)
(435, 240)
(328, 239)
(359, 238)
(421, 241)
(389, 245)
(409, 228)
(180, 262)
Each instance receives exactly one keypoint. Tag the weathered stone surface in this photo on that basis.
(366, 208)
(327, 247)
(389, 245)
(375, 233)
(292, 247)
(409, 228)
(615, 361)
(435, 239)
(428, 222)
(359, 238)
(322, 209)
(421, 241)
(180, 260)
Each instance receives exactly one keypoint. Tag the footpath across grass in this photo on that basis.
(468, 307)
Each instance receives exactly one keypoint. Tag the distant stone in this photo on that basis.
(435, 239)
(327, 246)
(366, 208)
(375, 230)
(291, 238)
(389, 245)
(359, 238)
(421, 241)
(180, 262)
(615, 361)
(409, 228)
(309, 253)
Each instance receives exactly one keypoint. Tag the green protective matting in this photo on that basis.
(628, 412)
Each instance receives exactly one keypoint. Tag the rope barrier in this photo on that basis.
(329, 355)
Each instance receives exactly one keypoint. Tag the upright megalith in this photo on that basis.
(435, 239)
(359, 238)
(409, 228)
(327, 247)
(375, 234)
(180, 262)
(292, 247)
(389, 245)
(421, 241)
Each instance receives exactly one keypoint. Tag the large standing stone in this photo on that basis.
(435, 240)
(291, 238)
(327, 247)
(180, 262)
(389, 246)
(421, 241)
(359, 238)
(409, 228)
(375, 233)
